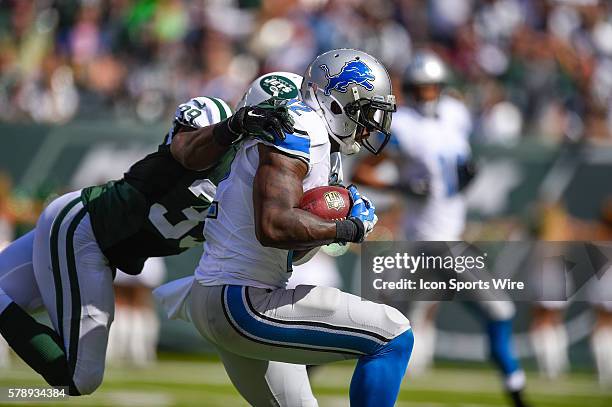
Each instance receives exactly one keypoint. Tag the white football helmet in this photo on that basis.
(351, 91)
(425, 68)
(285, 85)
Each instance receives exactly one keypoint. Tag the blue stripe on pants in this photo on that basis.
(257, 328)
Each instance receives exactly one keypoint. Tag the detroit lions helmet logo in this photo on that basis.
(354, 71)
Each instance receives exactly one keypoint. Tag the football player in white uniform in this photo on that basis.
(321, 269)
(135, 334)
(549, 333)
(432, 152)
(264, 332)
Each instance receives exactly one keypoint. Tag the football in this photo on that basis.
(331, 203)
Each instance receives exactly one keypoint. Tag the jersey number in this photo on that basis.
(189, 113)
(298, 106)
(203, 189)
(449, 173)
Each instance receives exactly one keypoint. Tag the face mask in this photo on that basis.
(373, 115)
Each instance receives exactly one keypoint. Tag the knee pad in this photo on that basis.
(380, 318)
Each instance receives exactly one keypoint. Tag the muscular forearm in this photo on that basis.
(296, 229)
(197, 149)
(277, 191)
(279, 223)
(365, 172)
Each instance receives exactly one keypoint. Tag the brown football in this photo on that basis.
(331, 203)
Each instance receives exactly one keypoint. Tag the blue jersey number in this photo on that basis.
(449, 166)
(297, 106)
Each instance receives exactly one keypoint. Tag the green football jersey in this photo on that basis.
(159, 207)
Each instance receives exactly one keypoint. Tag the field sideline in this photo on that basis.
(204, 383)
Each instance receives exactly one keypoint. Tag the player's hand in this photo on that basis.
(362, 212)
(420, 188)
(416, 181)
(266, 121)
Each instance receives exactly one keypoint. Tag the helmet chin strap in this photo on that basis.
(350, 148)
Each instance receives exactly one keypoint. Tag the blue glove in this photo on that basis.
(362, 211)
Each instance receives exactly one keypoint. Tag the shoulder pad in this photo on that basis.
(309, 131)
(296, 144)
(309, 121)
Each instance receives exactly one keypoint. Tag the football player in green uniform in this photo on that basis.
(67, 263)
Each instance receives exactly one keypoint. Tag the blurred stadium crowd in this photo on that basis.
(523, 66)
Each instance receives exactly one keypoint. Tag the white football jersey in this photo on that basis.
(232, 253)
(431, 148)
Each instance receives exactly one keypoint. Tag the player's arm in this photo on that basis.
(417, 184)
(200, 149)
(279, 222)
(277, 192)
(365, 171)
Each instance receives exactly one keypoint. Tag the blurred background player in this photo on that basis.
(12, 212)
(135, 333)
(548, 332)
(599, 290)
(431, 142)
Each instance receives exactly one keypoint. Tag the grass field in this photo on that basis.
(204, 383)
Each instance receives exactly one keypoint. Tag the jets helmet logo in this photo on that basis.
(334, 200)
(354, 71)
(279, 86)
